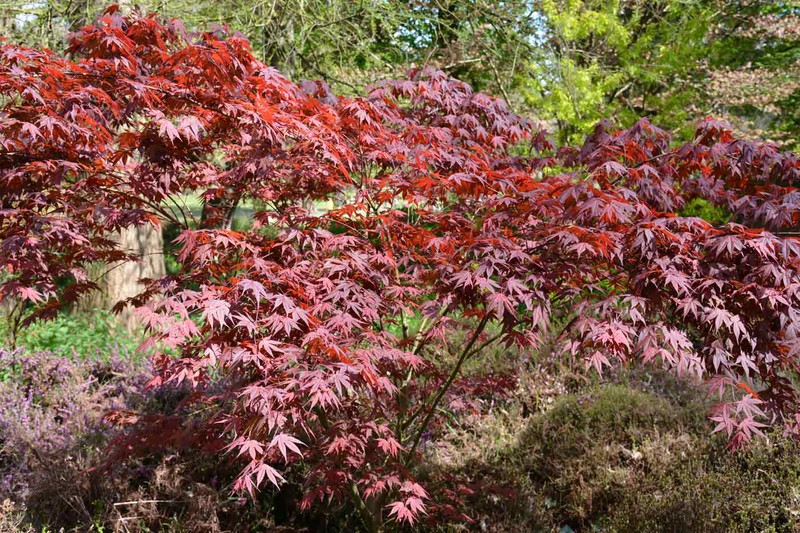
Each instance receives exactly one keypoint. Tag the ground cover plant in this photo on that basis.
(319, 345)
(51, 422)
(82, 334)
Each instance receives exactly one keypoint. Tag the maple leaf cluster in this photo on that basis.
(383, 226)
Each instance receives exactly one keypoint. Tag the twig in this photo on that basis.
(453, 374)
(134, 502)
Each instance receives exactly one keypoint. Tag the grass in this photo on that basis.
(89, 334)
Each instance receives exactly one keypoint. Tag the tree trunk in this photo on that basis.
(120, 280)
(6, 25)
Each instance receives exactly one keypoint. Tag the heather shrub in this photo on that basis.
(628, 457)
(12, 520)
(60, 468)
(51, 426)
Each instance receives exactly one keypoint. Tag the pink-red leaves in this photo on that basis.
(216, 312)
(411, 506)
(249, 447)
(286, 442)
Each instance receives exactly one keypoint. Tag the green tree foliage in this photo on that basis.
(348, 43)
(620, 59)
(671, 60)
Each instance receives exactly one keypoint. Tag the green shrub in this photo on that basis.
(583, 455)
(712, 214)
(634, 458)
(712, 490)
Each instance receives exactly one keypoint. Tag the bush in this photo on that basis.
(709, 212)
(583, 455)
(626, 458)
(12, 520)
(709, 490)
(55, 446)
(637, 457)
(51, 426)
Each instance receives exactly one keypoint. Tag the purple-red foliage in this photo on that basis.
(451, 214)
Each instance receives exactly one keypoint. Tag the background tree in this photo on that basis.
(349, 44)
(619, 59)
(754, 69)
(569, 62)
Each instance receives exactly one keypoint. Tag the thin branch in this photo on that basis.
(444, 388)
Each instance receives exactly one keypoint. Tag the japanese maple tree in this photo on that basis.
(383, 226)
